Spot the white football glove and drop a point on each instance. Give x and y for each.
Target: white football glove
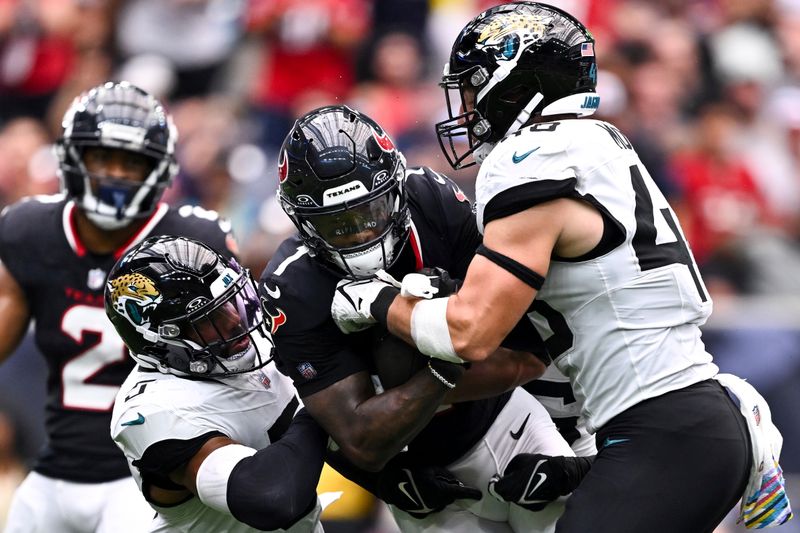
(352, 302)
(425, 284)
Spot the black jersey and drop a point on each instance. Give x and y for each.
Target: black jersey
(87, 361)
(313, 351)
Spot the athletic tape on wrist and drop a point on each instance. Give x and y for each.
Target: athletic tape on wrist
(430, 331)
(213, 474)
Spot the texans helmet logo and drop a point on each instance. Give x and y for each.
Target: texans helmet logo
(383, 141)
(283, 167)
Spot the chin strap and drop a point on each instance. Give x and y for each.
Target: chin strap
(525, 114)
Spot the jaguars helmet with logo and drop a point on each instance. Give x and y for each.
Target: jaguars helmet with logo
(342, 182)
(510, 63)
(122, 116)
(184, 309)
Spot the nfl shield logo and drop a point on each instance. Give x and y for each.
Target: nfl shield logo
(96, 278)
(757, 415)
(307, 370)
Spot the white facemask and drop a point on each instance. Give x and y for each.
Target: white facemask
(366, 263)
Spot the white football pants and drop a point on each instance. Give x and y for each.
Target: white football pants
(46, 505)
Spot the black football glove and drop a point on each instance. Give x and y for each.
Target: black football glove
(533, 480)
(420, 491)
(440, 278)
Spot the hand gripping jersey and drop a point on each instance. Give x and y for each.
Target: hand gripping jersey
(622, 322)
(298, 290)
(160, 421)
(87, 361)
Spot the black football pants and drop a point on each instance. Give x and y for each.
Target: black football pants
(672, 464)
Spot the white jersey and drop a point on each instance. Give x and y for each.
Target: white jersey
(621, 323)
(152, 407)
(554, 392)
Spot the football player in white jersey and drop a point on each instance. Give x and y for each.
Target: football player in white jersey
(207, 425)
(578, 237)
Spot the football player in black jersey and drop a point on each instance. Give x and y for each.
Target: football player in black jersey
(116, 158)
(358, 210)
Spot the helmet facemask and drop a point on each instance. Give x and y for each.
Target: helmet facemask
(116, 116)
(466, 125)
(361, 236)
(112, 203)
(225, 336)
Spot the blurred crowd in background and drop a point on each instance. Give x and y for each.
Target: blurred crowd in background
(708, 91)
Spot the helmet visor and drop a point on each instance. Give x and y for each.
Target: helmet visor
(356, 225)
(228, 329)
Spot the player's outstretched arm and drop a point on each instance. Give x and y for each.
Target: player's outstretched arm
(14, 313)
(500, 284)
(267, 489)
(370, 429)
(502, 371)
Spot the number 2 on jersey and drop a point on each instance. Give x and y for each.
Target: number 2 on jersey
(651, 254)
(78, 393)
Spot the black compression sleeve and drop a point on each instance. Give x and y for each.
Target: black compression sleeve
(276, 487)
(380, 307)
(516, 268)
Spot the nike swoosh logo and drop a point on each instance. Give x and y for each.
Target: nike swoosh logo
(273, 293)
(516, 435)
(530, 491)
(134, 422)
(518, 158)
(402, 487)
(610, 442)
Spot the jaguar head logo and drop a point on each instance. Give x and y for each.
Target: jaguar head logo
(134, 296)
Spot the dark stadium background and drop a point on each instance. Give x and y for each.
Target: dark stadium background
(707, 91)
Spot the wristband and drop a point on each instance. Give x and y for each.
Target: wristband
(380, 307)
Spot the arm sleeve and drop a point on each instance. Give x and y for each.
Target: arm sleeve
(276, 487)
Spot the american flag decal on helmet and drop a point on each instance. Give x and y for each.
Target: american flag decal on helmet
(587, 50)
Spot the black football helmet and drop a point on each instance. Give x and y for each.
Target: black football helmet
(184, 309)
(123, 116)
(510, 63)
(342, 182)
